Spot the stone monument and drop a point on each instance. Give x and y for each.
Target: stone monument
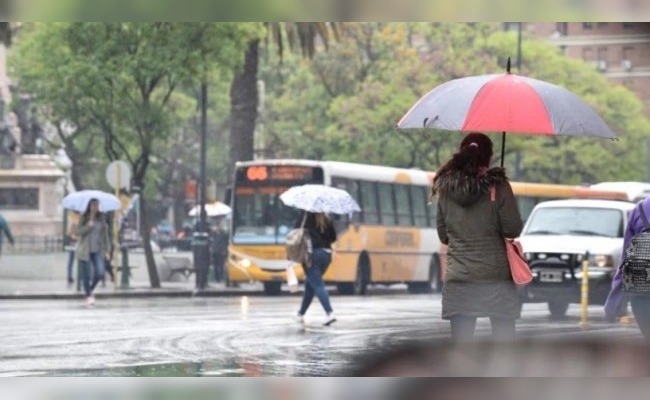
(31, 185)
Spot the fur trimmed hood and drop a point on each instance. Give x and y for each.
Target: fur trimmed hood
(467, 189)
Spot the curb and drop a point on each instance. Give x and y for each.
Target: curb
(136, 294)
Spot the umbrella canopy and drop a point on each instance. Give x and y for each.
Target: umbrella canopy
(320, 198)
(211, 209)
(505, 103)
(78, 201)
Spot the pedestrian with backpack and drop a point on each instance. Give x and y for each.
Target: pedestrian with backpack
(631, 278)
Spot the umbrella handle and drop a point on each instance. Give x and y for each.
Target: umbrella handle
(503, 148)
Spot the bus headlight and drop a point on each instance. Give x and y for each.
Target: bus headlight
(243, 262)
(601, 260)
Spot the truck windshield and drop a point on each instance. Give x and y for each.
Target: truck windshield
(576, 221)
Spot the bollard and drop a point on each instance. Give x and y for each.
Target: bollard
(125, 267)
(78, 274)
(584, 293)
(201, 255)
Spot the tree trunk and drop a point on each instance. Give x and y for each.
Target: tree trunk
(243, 109)
(145, 232)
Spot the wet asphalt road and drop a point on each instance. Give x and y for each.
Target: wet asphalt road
(237, 336)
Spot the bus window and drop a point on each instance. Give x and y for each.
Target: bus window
(369, 206)
(352, 187)
(419, 205)
(386, 205)
(403, 206)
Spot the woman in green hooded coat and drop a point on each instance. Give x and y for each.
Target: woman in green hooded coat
(478, 282)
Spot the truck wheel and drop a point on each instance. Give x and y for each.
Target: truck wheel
(558, 308)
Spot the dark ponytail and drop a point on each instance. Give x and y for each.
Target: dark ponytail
(472, 157)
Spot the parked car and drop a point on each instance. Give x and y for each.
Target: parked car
(558, 236)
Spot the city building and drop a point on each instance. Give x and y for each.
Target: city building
(619, 50)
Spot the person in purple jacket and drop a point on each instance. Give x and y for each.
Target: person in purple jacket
(616, 299)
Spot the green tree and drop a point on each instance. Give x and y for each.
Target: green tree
(344, 105)
(244, 93)
(119, 79)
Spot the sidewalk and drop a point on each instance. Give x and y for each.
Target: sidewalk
(43, 276)
(59, 289)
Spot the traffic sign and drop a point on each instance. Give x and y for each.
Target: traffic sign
(118, 174)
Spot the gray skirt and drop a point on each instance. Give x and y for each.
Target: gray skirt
(480, 299)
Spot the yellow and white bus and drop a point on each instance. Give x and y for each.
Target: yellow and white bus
(392, 240)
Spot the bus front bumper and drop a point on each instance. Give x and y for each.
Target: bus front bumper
(243, 270)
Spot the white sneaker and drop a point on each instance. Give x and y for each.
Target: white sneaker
(299, 319)
(330, 319)
(90, 300)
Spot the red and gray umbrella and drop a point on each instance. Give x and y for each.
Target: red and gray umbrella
(505, 103)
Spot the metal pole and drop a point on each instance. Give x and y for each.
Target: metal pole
(118, 184)
(200, 240)
(519, 28)
(584, 291)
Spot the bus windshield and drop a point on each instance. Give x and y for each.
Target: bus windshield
(259, 216)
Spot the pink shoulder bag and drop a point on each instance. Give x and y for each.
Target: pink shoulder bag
(519, 268)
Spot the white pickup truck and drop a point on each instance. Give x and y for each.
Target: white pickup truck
(557, 237)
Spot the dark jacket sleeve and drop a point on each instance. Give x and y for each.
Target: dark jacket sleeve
(511, 223)
(440, 223)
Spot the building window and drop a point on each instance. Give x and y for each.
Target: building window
(562, 28)
(628, 24)
(602, 24)
(602, 54)
(18, 198)
(511, 26)
(587, 25)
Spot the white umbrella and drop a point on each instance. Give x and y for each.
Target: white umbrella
(320, 198)
(211, 209)
(78, 201)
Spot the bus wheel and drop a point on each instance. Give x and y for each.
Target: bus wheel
(434, 284)
(363, 275)
(272, 288)
(435, 279)
(345, 288)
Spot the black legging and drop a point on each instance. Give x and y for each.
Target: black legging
(463, 327)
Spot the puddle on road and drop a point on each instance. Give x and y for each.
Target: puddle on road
(181, 369)
(220, 368)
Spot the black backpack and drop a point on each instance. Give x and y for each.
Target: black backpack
(636, 267)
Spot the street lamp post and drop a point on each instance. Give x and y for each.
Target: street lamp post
(200, 238)
(63, 161)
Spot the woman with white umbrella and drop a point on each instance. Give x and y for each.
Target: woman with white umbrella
(322, 235)
(92, 246)
(316, 200)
